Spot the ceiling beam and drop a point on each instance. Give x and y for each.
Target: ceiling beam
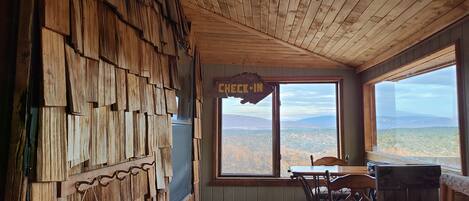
(250, 30)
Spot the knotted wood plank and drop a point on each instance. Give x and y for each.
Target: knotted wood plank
(44, 191)
(173, 10)
(196, 150)
(152, 136)
(133, 93)
(139, 134)
(146, 22)
(92, 80)
(160, 183)
(110, 192)
(139, 185)
(198, 77)
(121, 90)
(55, 15)
(53, 68)
(133, 13)
(106, 84)
(156, 70)
(171, 105)
(122, 8)
(169, 46)
(113, 138)
(197, 128)
(78, 132)
(76, 72)
(152, 183)
(165, 71)
(120, 135)
(51, 164)
(167, 161)
(126, 189)
(143, 96)
(169, 122)
(129, 135)
(98, 147)
(76, 25)
(123, 55)
(107, 33)
(90, 29)
(146, 97)
(146, 59)
(160, 101)
(174, 73)
(162, 128)
(198, 109)
(195, 171)
(150, 99)
(155, 18)
(85, 136)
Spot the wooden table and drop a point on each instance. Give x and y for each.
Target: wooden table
(333, 170)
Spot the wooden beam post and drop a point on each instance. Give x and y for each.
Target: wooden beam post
(16, 179)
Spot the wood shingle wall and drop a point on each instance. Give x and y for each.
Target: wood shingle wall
(108, 90)
(197, 126)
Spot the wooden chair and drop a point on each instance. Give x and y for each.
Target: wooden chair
(329, 161)
(358, 186)
(312, 186)
(316, 187)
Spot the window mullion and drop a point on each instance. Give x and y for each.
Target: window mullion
(276, 131)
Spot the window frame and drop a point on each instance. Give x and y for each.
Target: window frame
(275, 179)
(369, 104)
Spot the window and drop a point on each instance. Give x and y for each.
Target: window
(246, 138)
(264, 139)
(417, 118)
(308, 123)
(411, 114)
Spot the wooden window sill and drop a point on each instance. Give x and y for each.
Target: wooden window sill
(253, 181)
(389, 158)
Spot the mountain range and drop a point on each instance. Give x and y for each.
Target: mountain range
(383, 122)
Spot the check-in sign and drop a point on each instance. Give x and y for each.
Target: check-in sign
(247, 86)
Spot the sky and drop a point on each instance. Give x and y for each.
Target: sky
(431, 93)
(298, 101)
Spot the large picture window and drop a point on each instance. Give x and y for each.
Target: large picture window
(417, 118)
(412, 114)
(295, 121)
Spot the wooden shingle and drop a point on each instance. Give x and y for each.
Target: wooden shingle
(52, 145)
(90, 29)
(53, 68)
(55, 15)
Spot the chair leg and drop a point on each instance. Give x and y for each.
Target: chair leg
(363, 196)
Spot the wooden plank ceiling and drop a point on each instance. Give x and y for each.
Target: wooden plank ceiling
(325, 33)
(222, 41)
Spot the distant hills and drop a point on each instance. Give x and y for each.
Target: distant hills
(249, 122)
(383, 122)
(245, 122)
(387, 122)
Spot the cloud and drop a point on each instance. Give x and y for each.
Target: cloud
(433, 94)
(444, 77)
(297, 101)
